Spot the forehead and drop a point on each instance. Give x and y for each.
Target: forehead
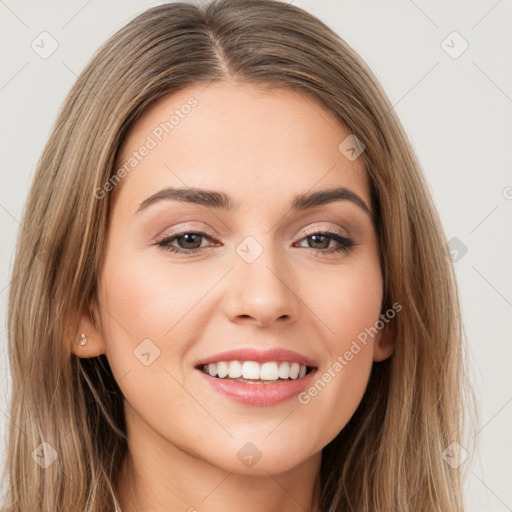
(255, 144)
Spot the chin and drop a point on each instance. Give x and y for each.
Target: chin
(260, 456)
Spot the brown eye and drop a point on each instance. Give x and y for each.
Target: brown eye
(319, 241)
(188, 242)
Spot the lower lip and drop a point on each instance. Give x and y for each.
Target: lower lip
(258, 394)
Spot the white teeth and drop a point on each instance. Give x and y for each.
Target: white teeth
(212, 369)
(284, 371)
(222, 369)
(294, 370)
(252, 370)
(234, 369)
(269, 371)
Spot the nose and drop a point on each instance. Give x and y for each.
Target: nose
(262, 291)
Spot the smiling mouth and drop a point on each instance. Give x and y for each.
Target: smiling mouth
(253, 372)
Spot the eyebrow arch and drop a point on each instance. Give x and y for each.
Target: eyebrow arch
(220, 200)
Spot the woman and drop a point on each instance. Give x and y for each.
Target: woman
(230, 287)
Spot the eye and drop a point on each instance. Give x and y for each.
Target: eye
(189, 243)
(322, 239)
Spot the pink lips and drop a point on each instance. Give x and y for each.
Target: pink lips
(259, 394)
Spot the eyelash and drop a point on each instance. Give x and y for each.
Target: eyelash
(345, 247)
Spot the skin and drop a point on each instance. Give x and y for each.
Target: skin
(262, 148)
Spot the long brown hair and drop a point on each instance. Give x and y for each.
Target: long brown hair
(68, 411)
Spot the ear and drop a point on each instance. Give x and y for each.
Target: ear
(89, 325)
(383, 345)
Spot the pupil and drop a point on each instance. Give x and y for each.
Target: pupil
(189, 239)
(321, 236)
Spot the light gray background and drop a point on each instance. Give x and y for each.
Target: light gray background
(455, 110)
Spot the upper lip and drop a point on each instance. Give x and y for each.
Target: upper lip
(261, 356)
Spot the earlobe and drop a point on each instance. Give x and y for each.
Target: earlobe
(88, 341)
(383, 346)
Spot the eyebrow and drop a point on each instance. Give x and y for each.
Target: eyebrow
(220, 200)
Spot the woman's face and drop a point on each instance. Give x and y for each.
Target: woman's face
(259, 281)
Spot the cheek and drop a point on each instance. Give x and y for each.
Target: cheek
(140, 310)
(142, 300)
(349, 302)
(144, 318)
(336, 392)
(349, 308)
(340, 383)
(150, 317)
